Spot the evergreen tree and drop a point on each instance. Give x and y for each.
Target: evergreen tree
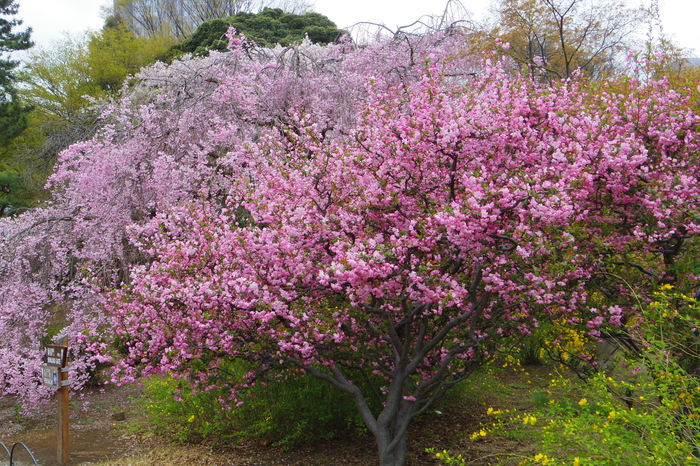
(269, 27)
(12, 112)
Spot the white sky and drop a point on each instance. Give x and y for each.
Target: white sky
(48, 18)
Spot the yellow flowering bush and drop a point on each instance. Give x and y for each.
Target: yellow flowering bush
(656, 422)
(643, 408)
(567, 346)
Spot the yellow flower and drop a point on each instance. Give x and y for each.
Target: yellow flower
(582, 402)
(577, 462)
(191, 418)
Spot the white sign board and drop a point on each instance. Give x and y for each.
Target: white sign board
(51, 376)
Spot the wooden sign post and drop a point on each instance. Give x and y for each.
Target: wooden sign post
(55, 374)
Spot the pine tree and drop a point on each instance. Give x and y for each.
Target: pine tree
(12, 113)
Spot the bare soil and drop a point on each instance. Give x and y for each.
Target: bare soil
(100, 435)
(94, 434)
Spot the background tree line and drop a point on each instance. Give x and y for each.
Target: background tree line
(181, 18)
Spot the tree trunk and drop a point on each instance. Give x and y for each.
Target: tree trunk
(391, 432)
(394, 457)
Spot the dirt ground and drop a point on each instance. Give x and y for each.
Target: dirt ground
(94, 434)
(101, 435)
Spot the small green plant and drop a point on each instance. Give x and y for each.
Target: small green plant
(445, 457)
(540, 398)
(530, 349)
(17, 417)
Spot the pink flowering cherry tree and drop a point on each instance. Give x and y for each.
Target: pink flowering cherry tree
(393, 258)
(164, 141)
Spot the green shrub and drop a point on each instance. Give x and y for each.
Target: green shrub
(294, 410)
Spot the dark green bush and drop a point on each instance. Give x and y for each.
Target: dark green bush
(269, 27)
(289, 412)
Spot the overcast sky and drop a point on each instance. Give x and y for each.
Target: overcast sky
(48, 18)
